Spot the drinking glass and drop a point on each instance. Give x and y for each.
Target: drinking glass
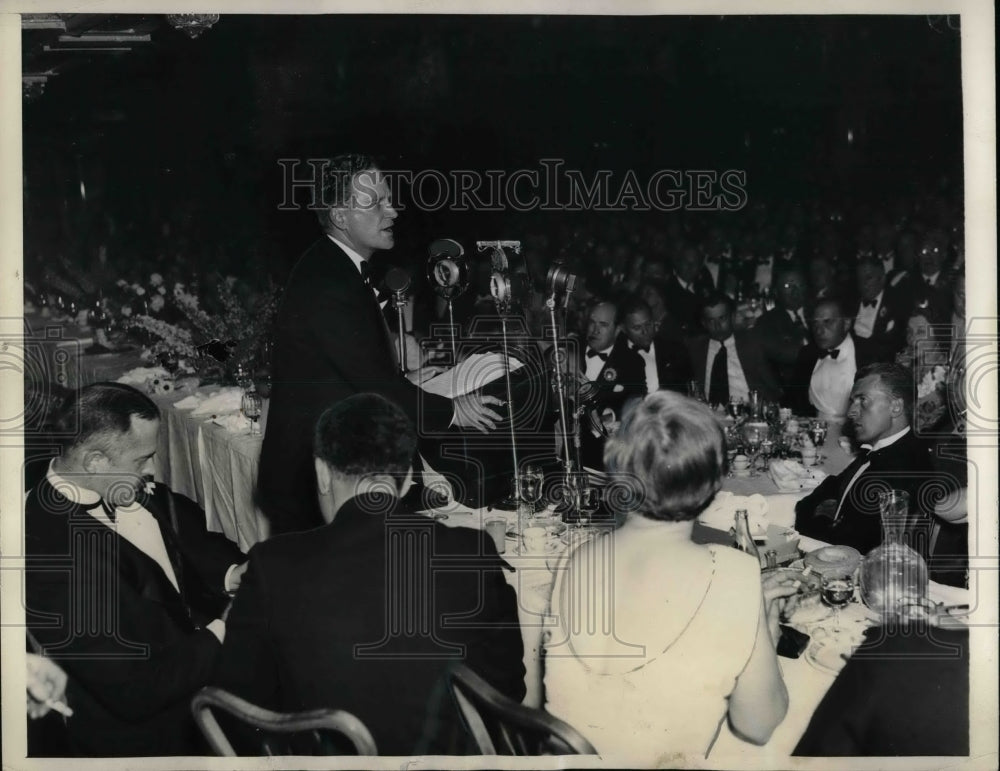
(251, 405)
(588, 501)
(817, 432)
(735, 408)
(530, 480)
(837, 591)
(753, 435)
(694, 390)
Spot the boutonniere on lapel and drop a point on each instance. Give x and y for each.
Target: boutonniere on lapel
(882, 312)
(610, 374)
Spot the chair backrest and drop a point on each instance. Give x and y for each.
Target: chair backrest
(501, 726)
(316, 732)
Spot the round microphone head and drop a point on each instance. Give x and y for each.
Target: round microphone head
(397, 280)
(445, 247)
(446, 272)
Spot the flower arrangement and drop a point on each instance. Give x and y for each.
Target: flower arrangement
(932, 402)
(215, 331)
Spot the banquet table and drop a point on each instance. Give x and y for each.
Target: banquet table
(214, 466)
(806, 684)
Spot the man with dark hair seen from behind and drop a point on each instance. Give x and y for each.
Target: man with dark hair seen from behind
(331, 341)
(126, 590)
(368, 612)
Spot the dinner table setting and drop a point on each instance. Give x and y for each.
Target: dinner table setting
(833, 605)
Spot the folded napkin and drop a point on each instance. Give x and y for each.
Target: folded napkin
(140, 375)
(219, 402)
(790, 476)
(233, 423)
(721, 512)
(189, 402)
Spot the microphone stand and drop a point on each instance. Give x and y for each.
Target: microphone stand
(560, 384)
(399, 302)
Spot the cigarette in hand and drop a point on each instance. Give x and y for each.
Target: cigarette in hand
(59, 706)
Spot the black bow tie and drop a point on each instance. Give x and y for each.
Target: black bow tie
(869, 303)
(639, 348)
(591, 353)
(832, 354)
(366, 273)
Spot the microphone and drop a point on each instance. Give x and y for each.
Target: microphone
(397, 281)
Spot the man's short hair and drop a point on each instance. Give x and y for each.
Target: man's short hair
(672, 449)
(717, 298)
(101, 413)
(334, 184)
(896, 380)
(872, 262)
(365, 434)
(629, 305)
(835, 300)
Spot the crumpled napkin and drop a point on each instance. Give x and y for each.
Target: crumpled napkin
(222, 401)
(790, 476)
(233, 423)
(721, 512)
(139, 375)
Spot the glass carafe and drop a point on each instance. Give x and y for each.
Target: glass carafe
(894, 576)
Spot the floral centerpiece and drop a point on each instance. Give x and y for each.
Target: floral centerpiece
(932, 401)
(211, 330)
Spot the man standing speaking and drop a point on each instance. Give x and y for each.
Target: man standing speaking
(331, 342)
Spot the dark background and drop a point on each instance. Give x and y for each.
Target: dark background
(177, 142)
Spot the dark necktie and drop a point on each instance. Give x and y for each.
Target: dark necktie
(833, 354)
(366, 274)
(718, 383)
(591, 353)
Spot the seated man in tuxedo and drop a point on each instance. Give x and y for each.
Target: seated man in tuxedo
(368, 612)
(729, 364)
(618, 374)
(935, 285)
(686, 290)
(782, 331)
(666, 362)
(844, 509)
(825, 369)
(126, 590)
(880, 316)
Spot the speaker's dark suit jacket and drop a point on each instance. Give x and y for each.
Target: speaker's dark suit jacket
(330, 342)
(135, 648)
(780, 339)
(757, 371)
(906, 464)
(367, 614)
(797, 388)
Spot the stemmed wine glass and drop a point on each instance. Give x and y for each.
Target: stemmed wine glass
(837, 591)
(753, 435)
(736, 408)
(817, 432)
(530, 481)
(588, 501)
(251, 405)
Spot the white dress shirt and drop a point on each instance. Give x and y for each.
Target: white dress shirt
(685, 285)
(713, 269)
(764, 274)
(649, 360)
(832, 380)
(595, 364)
(798, 318)
(864, 322)
(357, 259)
(931, 279)
(738, 388)
(136, 525)
(885, 442)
